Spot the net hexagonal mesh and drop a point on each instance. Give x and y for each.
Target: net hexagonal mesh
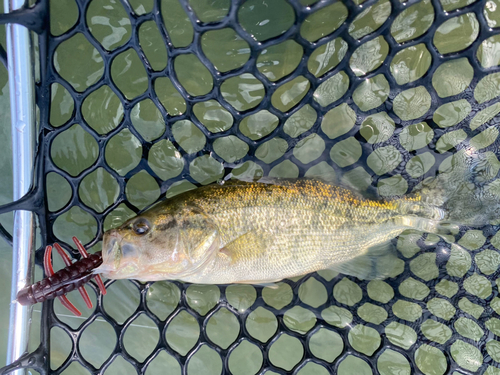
(145, 99)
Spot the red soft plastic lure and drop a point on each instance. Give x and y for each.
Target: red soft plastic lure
(58, 284)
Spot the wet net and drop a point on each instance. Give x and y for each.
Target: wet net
(142, 100)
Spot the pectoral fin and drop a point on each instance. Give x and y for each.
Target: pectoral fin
(250, 246)
(379, 262)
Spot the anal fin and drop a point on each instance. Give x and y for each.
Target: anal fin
(379, 262)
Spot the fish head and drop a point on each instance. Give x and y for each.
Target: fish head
(160, 244)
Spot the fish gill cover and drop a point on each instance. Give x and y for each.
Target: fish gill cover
(140, 100)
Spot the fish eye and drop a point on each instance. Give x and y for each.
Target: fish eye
(141, 227)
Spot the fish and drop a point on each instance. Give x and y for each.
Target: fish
(263, 232)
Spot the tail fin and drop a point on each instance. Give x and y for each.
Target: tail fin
(465, 192)
(466, 188)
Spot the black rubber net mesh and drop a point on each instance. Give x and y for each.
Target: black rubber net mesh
(141, 100)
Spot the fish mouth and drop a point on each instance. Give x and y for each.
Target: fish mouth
(114, 264)
(105, 269)
(110, 247)
(110, 253)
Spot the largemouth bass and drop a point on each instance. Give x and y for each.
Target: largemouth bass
(250, 232)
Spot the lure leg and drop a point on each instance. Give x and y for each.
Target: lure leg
(84, 254)
(67, 262)
(49, 270)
